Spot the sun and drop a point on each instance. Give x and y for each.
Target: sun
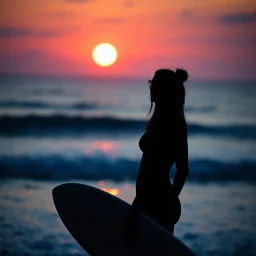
(104, 54)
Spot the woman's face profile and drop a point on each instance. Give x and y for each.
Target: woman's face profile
(152, 85)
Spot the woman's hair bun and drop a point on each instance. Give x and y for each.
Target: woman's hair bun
(182, 75)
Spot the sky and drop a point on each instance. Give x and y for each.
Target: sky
(213, 39)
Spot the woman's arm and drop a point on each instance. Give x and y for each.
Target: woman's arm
(181, 161)
(130, 223)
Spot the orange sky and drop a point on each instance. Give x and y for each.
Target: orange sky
(211, 39)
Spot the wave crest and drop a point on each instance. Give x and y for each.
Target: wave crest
(60, 125)
(56, 167)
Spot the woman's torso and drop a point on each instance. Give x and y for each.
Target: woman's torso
(154, 189)
(157, 145)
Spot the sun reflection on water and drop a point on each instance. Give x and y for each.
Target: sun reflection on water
(112, 191)
(105, 146)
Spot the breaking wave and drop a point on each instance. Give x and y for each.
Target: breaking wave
(98, 167)
(61, 125)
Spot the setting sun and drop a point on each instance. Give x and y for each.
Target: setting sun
(104, 54)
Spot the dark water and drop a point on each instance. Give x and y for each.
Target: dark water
(216, 219)
(81, 125)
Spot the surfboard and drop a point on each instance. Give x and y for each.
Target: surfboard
(94, 218)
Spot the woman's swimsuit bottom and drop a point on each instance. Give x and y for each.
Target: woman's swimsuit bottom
(160, 204)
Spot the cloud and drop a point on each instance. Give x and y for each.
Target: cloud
(238, 18)
(78, 1)
(227, 18)
(12, 31)
(18, 32)
(109, 20)
(235, 39)
(129, 4)
(39, 62)
(62, 14)
(188, 15)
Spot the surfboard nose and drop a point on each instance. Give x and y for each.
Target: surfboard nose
(66, 193)
(58, 192)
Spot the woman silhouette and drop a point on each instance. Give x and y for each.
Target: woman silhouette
(163, 144)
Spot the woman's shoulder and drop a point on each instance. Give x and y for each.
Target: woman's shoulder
(167, 129)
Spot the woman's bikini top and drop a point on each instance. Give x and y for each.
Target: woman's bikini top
(157, 138)
(143, 142)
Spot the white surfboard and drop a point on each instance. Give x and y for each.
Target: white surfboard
(94, 218)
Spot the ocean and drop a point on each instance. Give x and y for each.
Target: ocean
(55, 130)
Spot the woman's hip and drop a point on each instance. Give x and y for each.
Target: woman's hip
(159, 202)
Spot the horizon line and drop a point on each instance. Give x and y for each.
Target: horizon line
(117, 77)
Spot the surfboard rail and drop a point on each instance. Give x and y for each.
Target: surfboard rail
(94, 218)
